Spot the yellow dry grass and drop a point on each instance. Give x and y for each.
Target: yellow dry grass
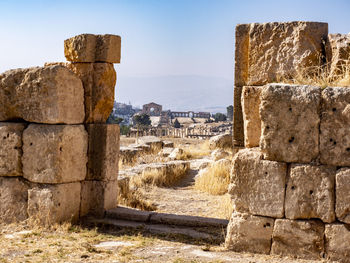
(215, 179)
(164, 176)
(196, 151)
(323, 76)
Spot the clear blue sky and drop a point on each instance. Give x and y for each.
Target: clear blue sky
(159, 37)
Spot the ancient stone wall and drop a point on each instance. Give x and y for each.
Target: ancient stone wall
(290, 185)
(58, 158)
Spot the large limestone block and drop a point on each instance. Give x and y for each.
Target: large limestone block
(340, 53)
(50, 204)
(99, 80)
(51, 94)
(258, 186)
(238, 125)
(14, 198)
(334, 139)
(251, 116)
(290, 122)
(337, 242)
(54, 153)
(220, 141)
(247, 233)
(103, 152)
(280, 51)
(97, 197)
(342, 190)
(11, 148)
(93, 48)
(310, 192)
(298, 238)
(241, 54)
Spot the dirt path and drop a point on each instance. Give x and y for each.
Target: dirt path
(185, 200)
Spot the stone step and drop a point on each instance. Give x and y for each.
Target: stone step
(131, 214)
(160, 229)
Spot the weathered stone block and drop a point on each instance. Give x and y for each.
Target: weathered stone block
(241, 54)
(99, 80)
(290, 122)
(251, 116)
(310, 192)
(54, 153)
(222, 141)
(103, 153)
(247, 233)
(342, 190)
(298, 238)
(93, 48)
(50, 204)
(238, 126)
(334, 128)
(14, 198)
(337, 242)
(11, 149)
(280, 51)
(98, 196)
(258, 186)
(50, 94)
(340, 53)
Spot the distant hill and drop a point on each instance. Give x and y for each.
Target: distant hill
(178, 93)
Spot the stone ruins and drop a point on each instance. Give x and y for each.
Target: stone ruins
(290, 180)
(58, 158)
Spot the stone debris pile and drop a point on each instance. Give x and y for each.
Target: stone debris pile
(290, 185)
(58, 157)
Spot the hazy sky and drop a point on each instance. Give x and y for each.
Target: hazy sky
(159, 37)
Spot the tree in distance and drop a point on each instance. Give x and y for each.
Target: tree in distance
(177, 124)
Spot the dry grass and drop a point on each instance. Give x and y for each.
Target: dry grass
(136, 199)
(161, 176)
(323, 76)
(64, 243)
(196, 151)
(214, 179)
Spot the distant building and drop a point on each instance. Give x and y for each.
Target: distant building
(229, 113)
(124, 111)
(152, 109)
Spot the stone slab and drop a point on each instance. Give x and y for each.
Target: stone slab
(99, 80)
(290, 121)
(97, 197)
(247, 233)
(337, 242)
(54, 153)
(14, 198)
(241, 54)
(334, 128)
(127, 213)
(51, 95)
(11, 148)
(340, 53)
(238, 125)
(310, 192)
(279, 51)
(298, 238)
(49, 204)
(103, 152)
(257, 186)
(342, 190)
(93, 48)
(251, 117)
(186, 220)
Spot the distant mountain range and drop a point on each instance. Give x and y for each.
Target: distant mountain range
(178, 93)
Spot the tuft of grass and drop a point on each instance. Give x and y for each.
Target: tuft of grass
(324, 76)
(196, 151)
(214, 179)
(135, 199)
(167, 175)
